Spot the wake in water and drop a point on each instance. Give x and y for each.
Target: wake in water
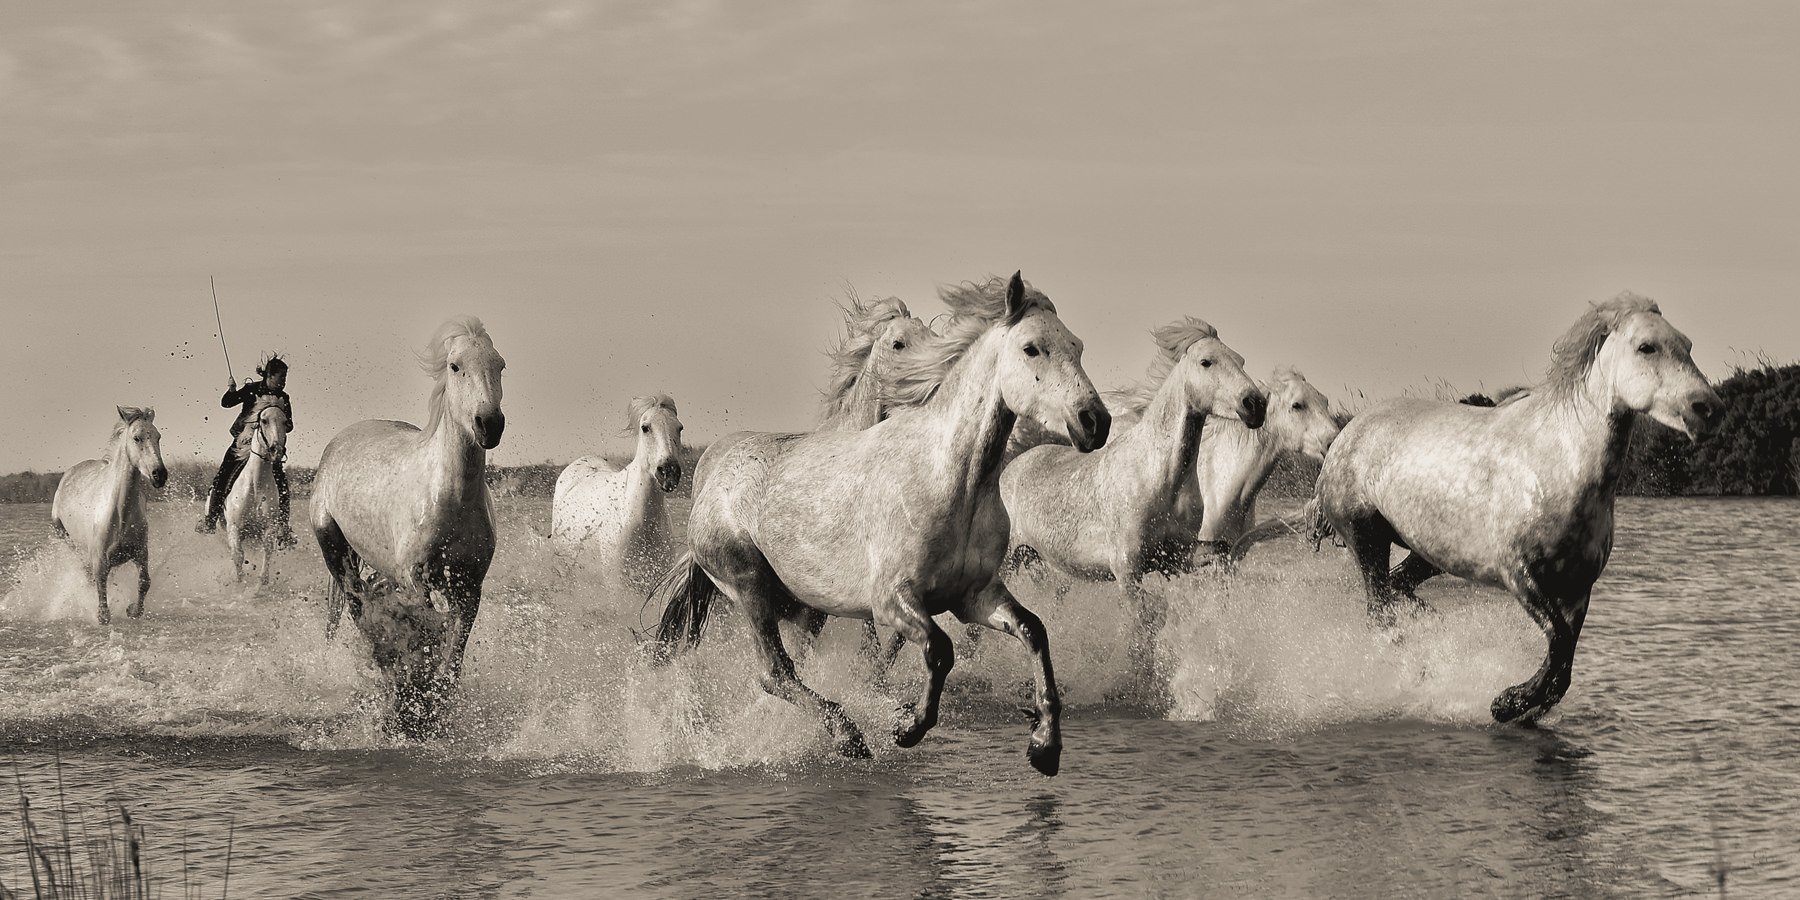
(554, 672)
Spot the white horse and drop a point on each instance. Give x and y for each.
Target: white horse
(1112, 515)
(1518, 496)
(1234, 463)
(616, 516)
(413, 507)
(252, 507)
(99, 504)
(900, 521)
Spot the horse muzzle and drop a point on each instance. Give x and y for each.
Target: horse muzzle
(1093, 426)
(489, 428)
(668, 475)
(159, 477)
(1253, 410)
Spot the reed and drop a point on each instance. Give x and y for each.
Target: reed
(65, 855)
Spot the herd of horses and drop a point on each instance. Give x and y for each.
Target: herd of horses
(949, 459)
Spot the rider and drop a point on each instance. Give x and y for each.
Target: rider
(273, 384)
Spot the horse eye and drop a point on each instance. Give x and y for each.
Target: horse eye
(455, 368)
(899, 345)
(1646, 348)
(1299, 406)
(645, 428)
(1031, 350)
(1206, 364)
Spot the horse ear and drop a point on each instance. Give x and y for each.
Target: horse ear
(150, 414)
(1015, 298)
(123, 415)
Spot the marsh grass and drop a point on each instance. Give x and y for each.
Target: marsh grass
(67, 854)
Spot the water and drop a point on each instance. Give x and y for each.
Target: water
(1305, 754)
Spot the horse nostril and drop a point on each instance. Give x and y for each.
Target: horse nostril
(1705, 410)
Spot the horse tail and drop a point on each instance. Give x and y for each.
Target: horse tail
(58, 529)
(687, 594)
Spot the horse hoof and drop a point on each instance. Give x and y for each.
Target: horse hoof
(908, 730)
(1515, 705)
(105, 617)
(1046, 758)
(136, 612)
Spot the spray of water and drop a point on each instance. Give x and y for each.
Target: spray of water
(554, 674)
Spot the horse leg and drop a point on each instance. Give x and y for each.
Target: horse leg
(340, 568)
(811, 623)
(761, 607)
(1560, 620)
(909, 619)
(465, 604)
(1405, 578)
(268, 548)
(99, 574)
(1151, 612)
(1370, 541)
(142, 558)
(234, 541)
(996, 608)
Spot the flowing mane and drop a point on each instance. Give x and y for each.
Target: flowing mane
(128, 415)
(1574, 353)
(639, 405)
(1172, 340)
(861, 323)
(435, 360)
(921, 369)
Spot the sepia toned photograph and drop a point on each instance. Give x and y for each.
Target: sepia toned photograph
(847, 449)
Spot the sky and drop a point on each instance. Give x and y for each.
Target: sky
(672, 196)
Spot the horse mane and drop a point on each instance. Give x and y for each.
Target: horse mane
(1172, 340)
(1574, 353)
(975, 307)
(861, 322)
(435, 360)
(128, 415)
(640, 405)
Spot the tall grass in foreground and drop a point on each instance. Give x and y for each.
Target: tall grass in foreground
(79, 860)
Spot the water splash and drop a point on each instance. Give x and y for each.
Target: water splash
(554, 675)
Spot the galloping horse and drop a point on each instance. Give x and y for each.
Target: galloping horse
(413, 506)
(251, 509)
(1234, 462)
(99, 505)
(1518, 496)
(1112, 515)
(616, 516)
(900, 521)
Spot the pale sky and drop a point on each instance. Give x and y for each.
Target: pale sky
(670, 196)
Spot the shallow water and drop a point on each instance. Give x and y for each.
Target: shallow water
(1306, 753)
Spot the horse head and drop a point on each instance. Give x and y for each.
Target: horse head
(142, 443)
(1212, 376)
(270, 438)
(1299, 415)
(1040, 375)
(462, 358)
(659, 437)
(1630, 356)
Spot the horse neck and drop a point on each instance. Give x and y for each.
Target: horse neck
(125, 485)
(458, 465)
(973, 421)
(859, 410)
(1240, 459)
(1162, 447)
(1602, 433)
(641, 492)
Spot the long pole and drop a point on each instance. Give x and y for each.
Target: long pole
(221, 323)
